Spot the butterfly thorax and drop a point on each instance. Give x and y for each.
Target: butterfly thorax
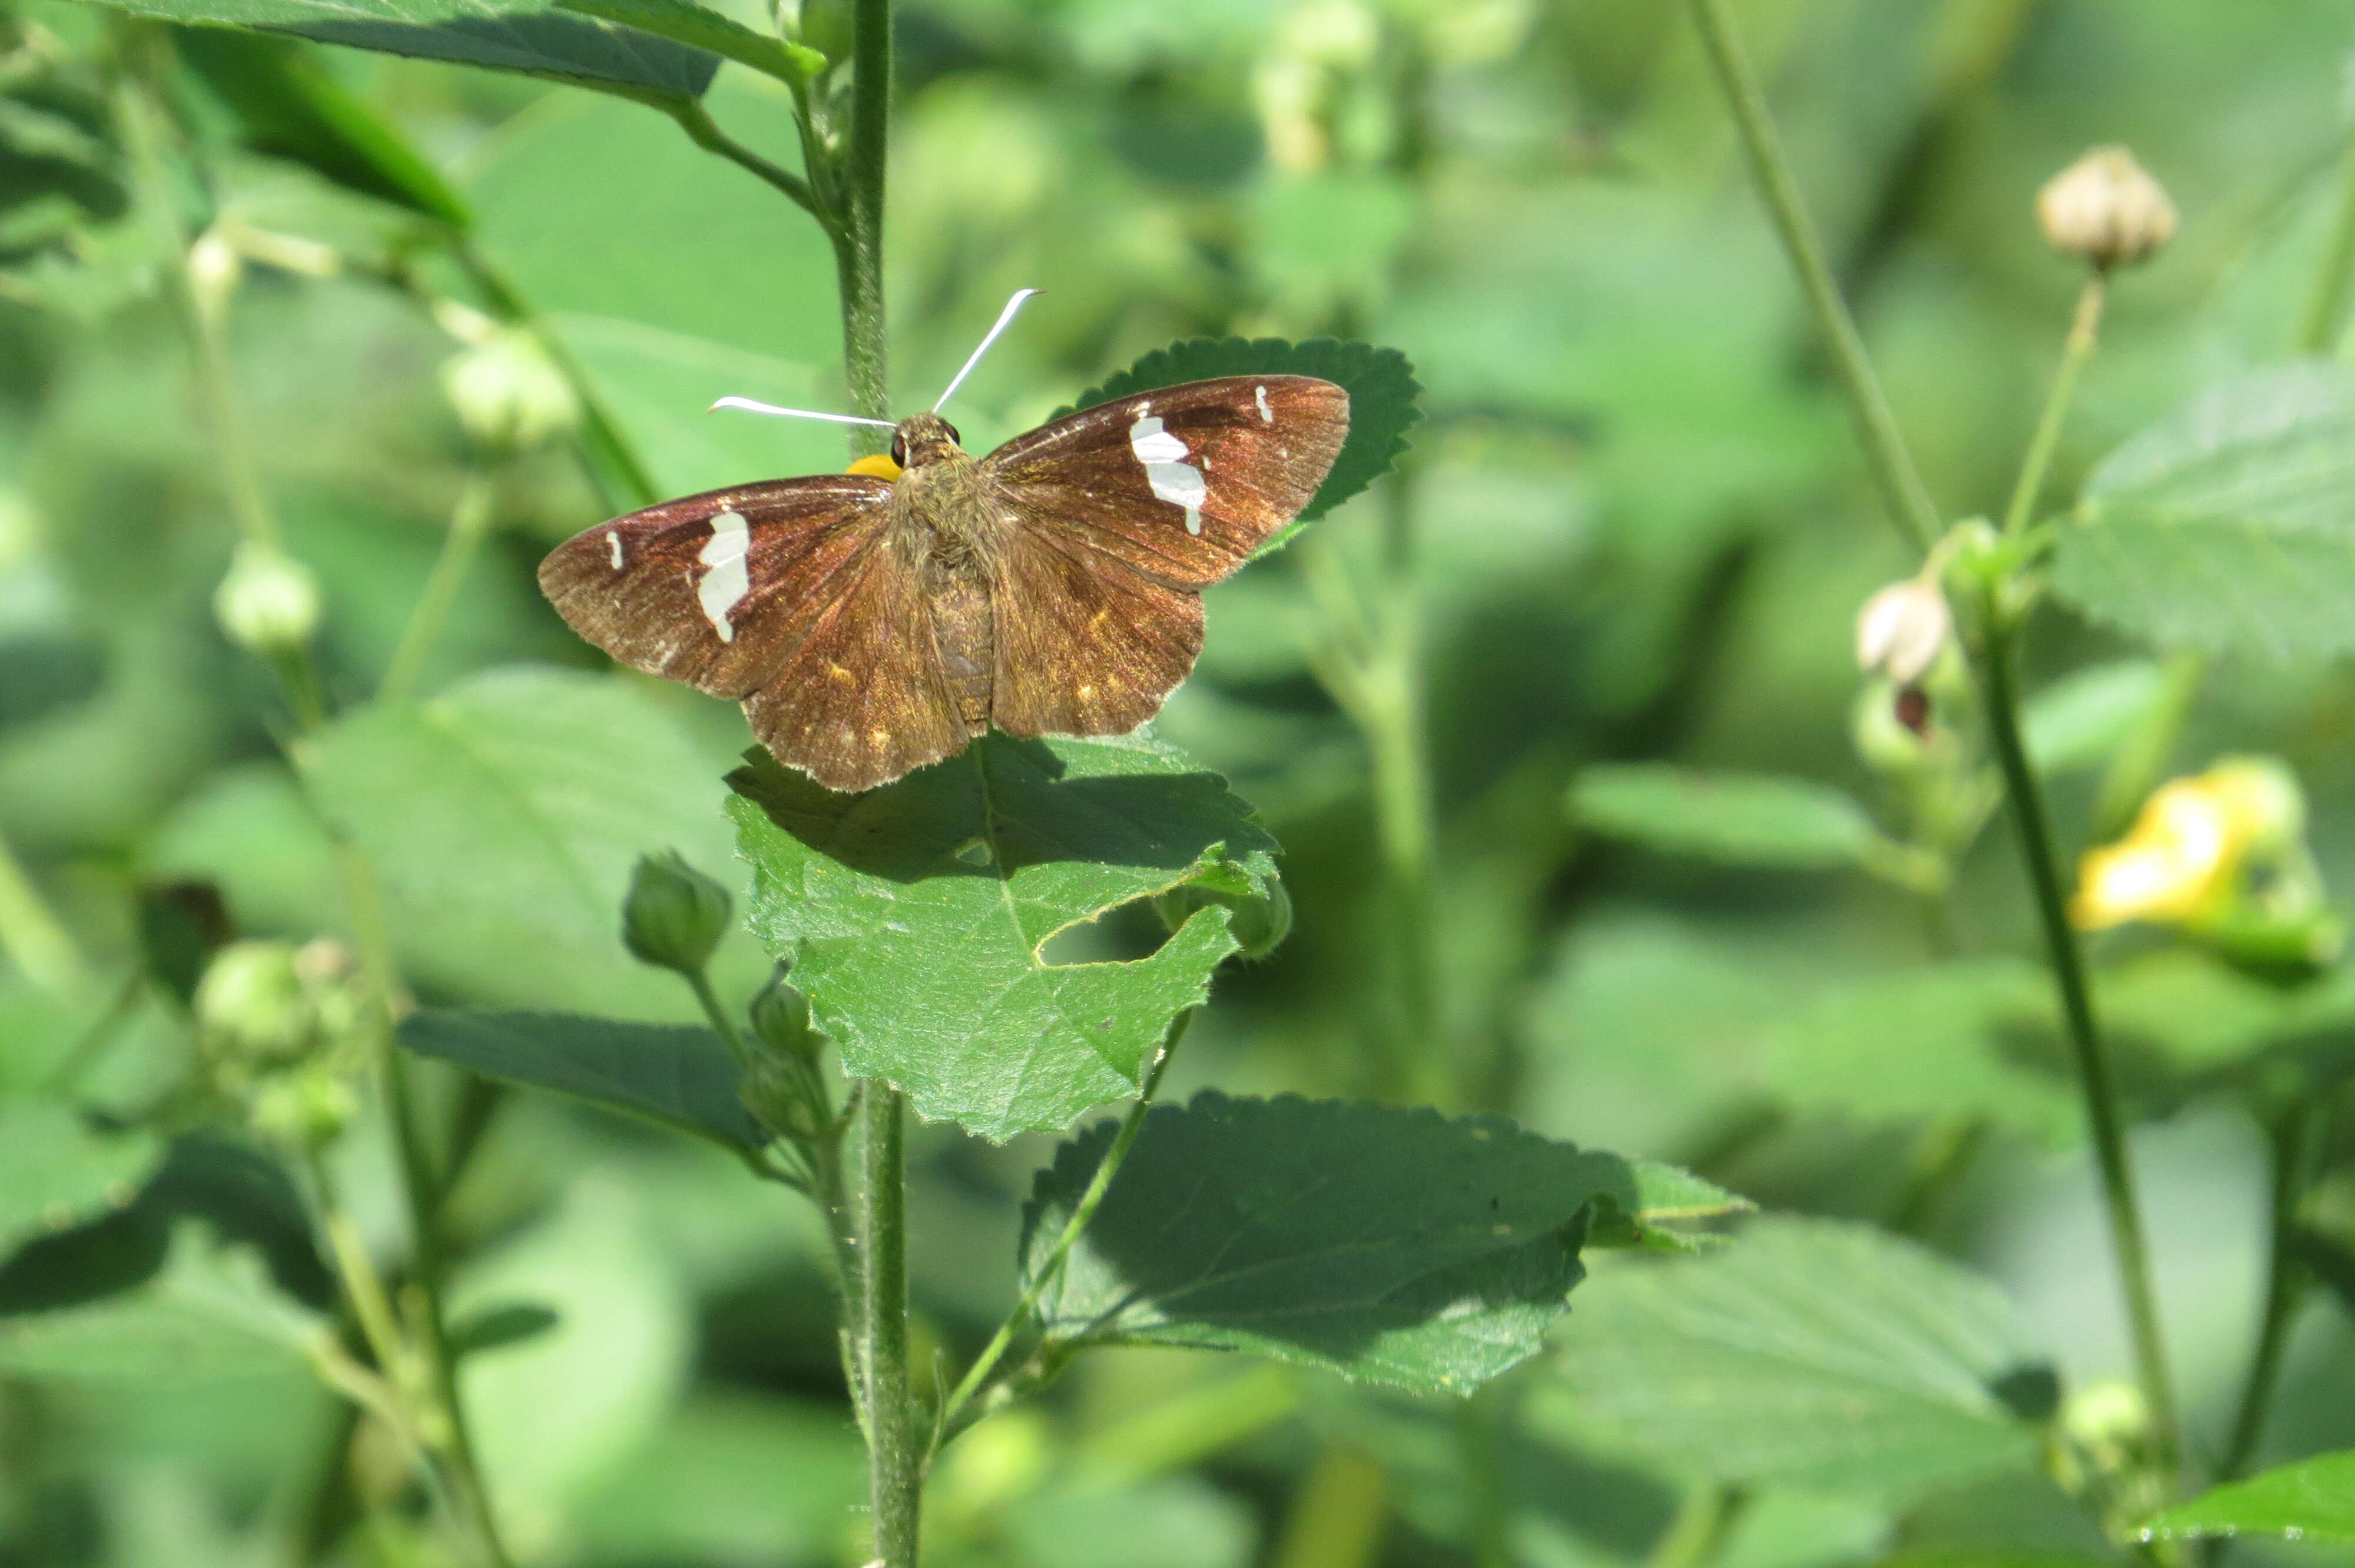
(946, 514)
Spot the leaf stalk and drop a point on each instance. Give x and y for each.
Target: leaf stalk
(977, 1376)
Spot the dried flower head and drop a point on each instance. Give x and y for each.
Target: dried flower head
(2106, 209)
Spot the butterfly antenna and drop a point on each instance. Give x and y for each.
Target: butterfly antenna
(750, 406)
(1005, 319)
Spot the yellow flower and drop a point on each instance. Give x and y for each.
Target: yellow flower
(2183, 859)
(878, 465)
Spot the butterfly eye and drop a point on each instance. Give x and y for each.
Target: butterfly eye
(899, 448)
(952, 432)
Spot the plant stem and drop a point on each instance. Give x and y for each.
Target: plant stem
(858, 227)
(2318, 330)
(31, 935)
(1406, 819)
(2084, 332)
(2292, 1140)
(2093, 1075)
(468, 521)
(1704, 1521)
(895, 1452)
(696, 121)
(977, 1375)
(1900, 485)
(1910, 503)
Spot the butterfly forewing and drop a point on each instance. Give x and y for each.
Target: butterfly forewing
(1181, 483)
(718, 590)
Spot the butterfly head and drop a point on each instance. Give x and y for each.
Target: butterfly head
(921, 439)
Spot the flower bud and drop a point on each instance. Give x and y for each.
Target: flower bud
(508, 392)
(781, 1021)
(1901, 629)
(308, 1108)
(1260, 924)
(215, 270)
(674, 916)
(826, 26)
(268, 602)
(252, 1007)
(2106, 209)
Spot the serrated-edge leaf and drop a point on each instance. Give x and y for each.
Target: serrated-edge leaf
(677, 1074)
(1383, 399)
(2312, 1499)
(851, 887)
(1884, 1363)
(1463, 1294)
(2227, 524)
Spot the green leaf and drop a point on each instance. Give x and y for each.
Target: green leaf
(2229, 525)
(758, 276)
(698, 27)
(2313, 1499)
(56, 1171)
(527, 36)
(503, 819)
(1389, 1245)
(211, 1313)
(1923, 1043)
(2082, 717)
(287, 106)
(917, 916)
(1381, 383)
(490, 1328)
(1665, 1194)
(1743, 819)
(705, 1486)
(1809, 1354)
(680, 1076)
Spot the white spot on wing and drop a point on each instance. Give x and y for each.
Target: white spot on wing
(1166, 470)
(727, 578)
(614, 539)
(1266, 414)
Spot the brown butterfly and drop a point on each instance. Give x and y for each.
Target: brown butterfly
(871, 625)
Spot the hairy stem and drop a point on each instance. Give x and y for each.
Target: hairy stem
(2094, 1078)
(1894, 472)
(469, 519)
(895, 1448)
(858, 229)
(2084, 332)
(976, 1377)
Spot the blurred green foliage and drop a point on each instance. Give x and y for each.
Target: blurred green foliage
(1673, 901)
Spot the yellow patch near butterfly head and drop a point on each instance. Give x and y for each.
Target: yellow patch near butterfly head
(880, 466)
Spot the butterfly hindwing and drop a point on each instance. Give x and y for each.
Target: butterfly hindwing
(1085, 646)
(717, 590)
(864, 698)
(1181, 483)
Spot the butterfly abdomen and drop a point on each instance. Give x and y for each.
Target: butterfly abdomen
(947, 511)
